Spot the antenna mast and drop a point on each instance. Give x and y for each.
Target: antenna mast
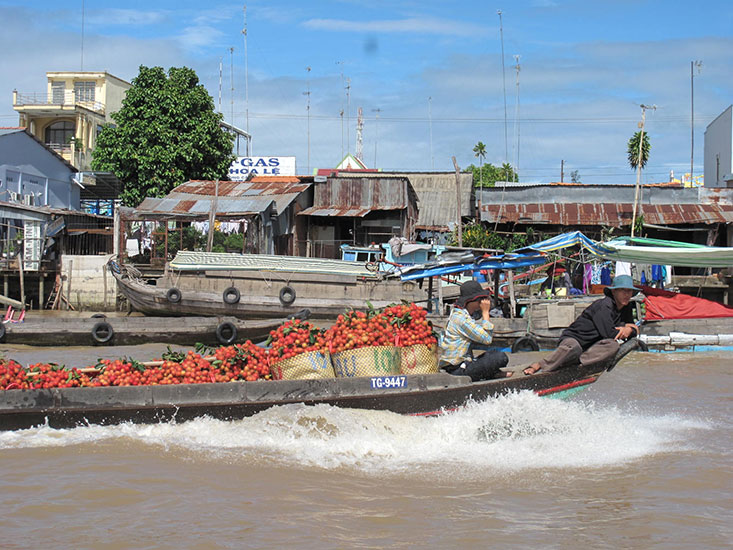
(359, 141)
(307, 93)
(376, 133)
(246, 78)
(516, 123)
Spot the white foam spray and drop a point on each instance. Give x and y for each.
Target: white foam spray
(520, 431)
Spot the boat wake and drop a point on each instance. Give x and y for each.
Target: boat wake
(520, 431)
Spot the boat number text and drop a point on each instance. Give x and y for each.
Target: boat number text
(382, 382)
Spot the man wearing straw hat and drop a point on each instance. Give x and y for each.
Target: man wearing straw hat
(463, 331)
(595, 335)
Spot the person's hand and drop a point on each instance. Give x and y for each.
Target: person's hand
(485, 305)
(624, 333)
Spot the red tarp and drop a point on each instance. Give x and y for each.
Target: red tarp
(663, 304)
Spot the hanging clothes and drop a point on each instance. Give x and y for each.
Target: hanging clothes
(587, 278)
(605, 276)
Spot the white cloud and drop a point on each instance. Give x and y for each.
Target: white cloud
(419, 25)
(119, 16)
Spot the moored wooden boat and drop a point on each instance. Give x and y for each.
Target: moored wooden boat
(102, 331)
(258, 286)
(414, 394)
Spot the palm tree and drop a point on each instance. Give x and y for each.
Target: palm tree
(480, 152)
(633, 150)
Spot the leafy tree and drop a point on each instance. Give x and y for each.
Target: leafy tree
(476, 235)
(166, 133)
(488, 174)
(633, 150)
(480, 152)
(574, 176)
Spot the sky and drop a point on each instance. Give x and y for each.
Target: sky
(428, 75)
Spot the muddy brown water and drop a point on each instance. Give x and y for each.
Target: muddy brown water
(641, 459)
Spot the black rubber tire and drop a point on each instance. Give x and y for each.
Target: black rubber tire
(173, 295)
(3, 332)
(102, 333)
(287, 295)
(99, 316)
(226, 333)
(231, 296)
(526, 343)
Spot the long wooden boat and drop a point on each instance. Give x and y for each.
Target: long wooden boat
(116, 331)
(259, 286)
(414, 395)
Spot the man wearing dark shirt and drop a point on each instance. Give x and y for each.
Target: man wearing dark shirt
(595, 335)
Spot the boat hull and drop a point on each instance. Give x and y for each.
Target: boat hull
(421, 395)
(260, 295)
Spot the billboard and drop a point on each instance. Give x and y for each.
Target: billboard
(242, 167)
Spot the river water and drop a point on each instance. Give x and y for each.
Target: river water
(641, 459)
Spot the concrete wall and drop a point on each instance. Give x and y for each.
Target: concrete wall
(719, 150)
(90, 282)
(19, 149)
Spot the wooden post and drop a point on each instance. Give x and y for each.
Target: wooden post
(430, 295)
(440, 296)
(458, 201)
(68, 284)
(104, 280)
(512, 300)
(22, 278)
(41, 281)
(212, 217)
(5, 284)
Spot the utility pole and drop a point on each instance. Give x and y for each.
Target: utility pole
(562, 170)
(231, 76)
(348, 114)
(503, 78)
(246, 79)
(458, 201)
(638, 164)
(693, 64)
(430, 121)
(376, 133)
(516, 168)
(341, 112)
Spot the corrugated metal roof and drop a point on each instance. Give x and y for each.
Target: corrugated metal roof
(337, 212)
(235, 198)
(613, 214)
(198, 208)
(436, 193)
(356, 197)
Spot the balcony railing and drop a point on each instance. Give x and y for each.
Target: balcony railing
(67, 98)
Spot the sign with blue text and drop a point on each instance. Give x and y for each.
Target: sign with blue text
(242, 167)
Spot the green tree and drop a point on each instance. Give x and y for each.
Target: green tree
(488, 174)
(476, 235)
(633, 150)
(166, 133)
(574, 176)
(480, 152)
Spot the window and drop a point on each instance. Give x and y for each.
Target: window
(57, 92)
(84, 91)
(60, 133)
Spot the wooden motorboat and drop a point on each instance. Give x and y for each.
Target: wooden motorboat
(259, 286)
(427, 394)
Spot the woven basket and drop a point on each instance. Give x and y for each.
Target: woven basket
(367, 361)
(311, 365)
(419, 359)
